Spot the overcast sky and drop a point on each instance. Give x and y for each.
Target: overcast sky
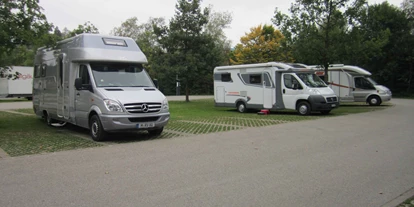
(107, 14)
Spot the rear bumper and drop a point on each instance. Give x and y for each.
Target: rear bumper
(114, 123)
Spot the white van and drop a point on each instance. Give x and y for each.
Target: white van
(272, 86)
(98, 82)
(19, 84)
(354, 84)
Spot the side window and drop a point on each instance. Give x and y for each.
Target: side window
(37, 71)
(255, 79)
(291, 82)
(361, 82)
(84, 75)
(61, 71)
(223, 77)
(43, 70)
(226, 77)
(267, 80)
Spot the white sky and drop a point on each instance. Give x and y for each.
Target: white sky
(107, 14)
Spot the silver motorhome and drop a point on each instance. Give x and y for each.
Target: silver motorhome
(274, 86)
(354, 84)
(98, 82)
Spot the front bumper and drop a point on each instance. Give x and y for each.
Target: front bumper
(113, 123)
(385, 97)
(324, 106)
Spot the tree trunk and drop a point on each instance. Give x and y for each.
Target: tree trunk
(187, 93)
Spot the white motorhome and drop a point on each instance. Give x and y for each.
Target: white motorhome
(98, 82)
(354, 84)
(19, 84)
(272, 86)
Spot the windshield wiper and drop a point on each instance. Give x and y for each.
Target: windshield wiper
(139, 86)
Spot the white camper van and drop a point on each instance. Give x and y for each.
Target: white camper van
(17, 85)
(98, 82)
(352, 83)
(272, 86)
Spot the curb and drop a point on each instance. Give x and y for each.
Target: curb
(3, 154)
(400, 199)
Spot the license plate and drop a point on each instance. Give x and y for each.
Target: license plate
(333, 105)
(145, 125)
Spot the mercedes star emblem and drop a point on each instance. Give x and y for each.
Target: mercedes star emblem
(144, 107)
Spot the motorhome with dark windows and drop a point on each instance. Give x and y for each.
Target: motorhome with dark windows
(354, 84)
(272, 86)
(98, 82)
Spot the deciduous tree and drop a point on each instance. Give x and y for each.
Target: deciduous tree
(262, 44)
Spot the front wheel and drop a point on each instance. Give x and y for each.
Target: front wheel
(241, 107)
(156, 132)
(374, 101)
(96, 130)
(304, 108)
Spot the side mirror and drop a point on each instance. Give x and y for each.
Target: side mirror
(155, 81)
(78, 83)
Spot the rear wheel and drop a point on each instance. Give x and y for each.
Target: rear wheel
(96, 130)
(156, 132)
(374, 101)
(304, 108)
(241, 107)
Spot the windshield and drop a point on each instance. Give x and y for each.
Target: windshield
(120, 75)
(311, 80)
(372, 81)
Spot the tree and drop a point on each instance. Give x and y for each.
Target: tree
(262, 44)
(186, 49)
(87, 27)
(217, 23)
(22, 23)
(319, 20)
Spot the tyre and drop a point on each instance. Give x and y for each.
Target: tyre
(304, 108)
(325, 112)
(96, 130)
(374, 101)
(241, 107)
(156, 132)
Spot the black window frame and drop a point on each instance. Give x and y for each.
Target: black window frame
(83, 69)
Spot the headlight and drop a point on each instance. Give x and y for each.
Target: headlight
(112, 105)
(314, 91)
(381, 92)
(165, 104)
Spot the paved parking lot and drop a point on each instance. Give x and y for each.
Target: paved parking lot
(355, 160)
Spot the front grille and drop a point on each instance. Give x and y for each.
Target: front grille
(143, 107)
(331, 99)
(144, 119)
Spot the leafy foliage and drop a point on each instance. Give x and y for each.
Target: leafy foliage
(323, 22)
(262, 44)
(22, 24)
(187, 50)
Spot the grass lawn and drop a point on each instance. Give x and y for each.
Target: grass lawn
(22, 135)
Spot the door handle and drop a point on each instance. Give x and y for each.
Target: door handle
(284, 91)
(77, 94)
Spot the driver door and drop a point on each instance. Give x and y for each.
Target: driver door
(82, 97)
(362, 88)
(291, 88)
